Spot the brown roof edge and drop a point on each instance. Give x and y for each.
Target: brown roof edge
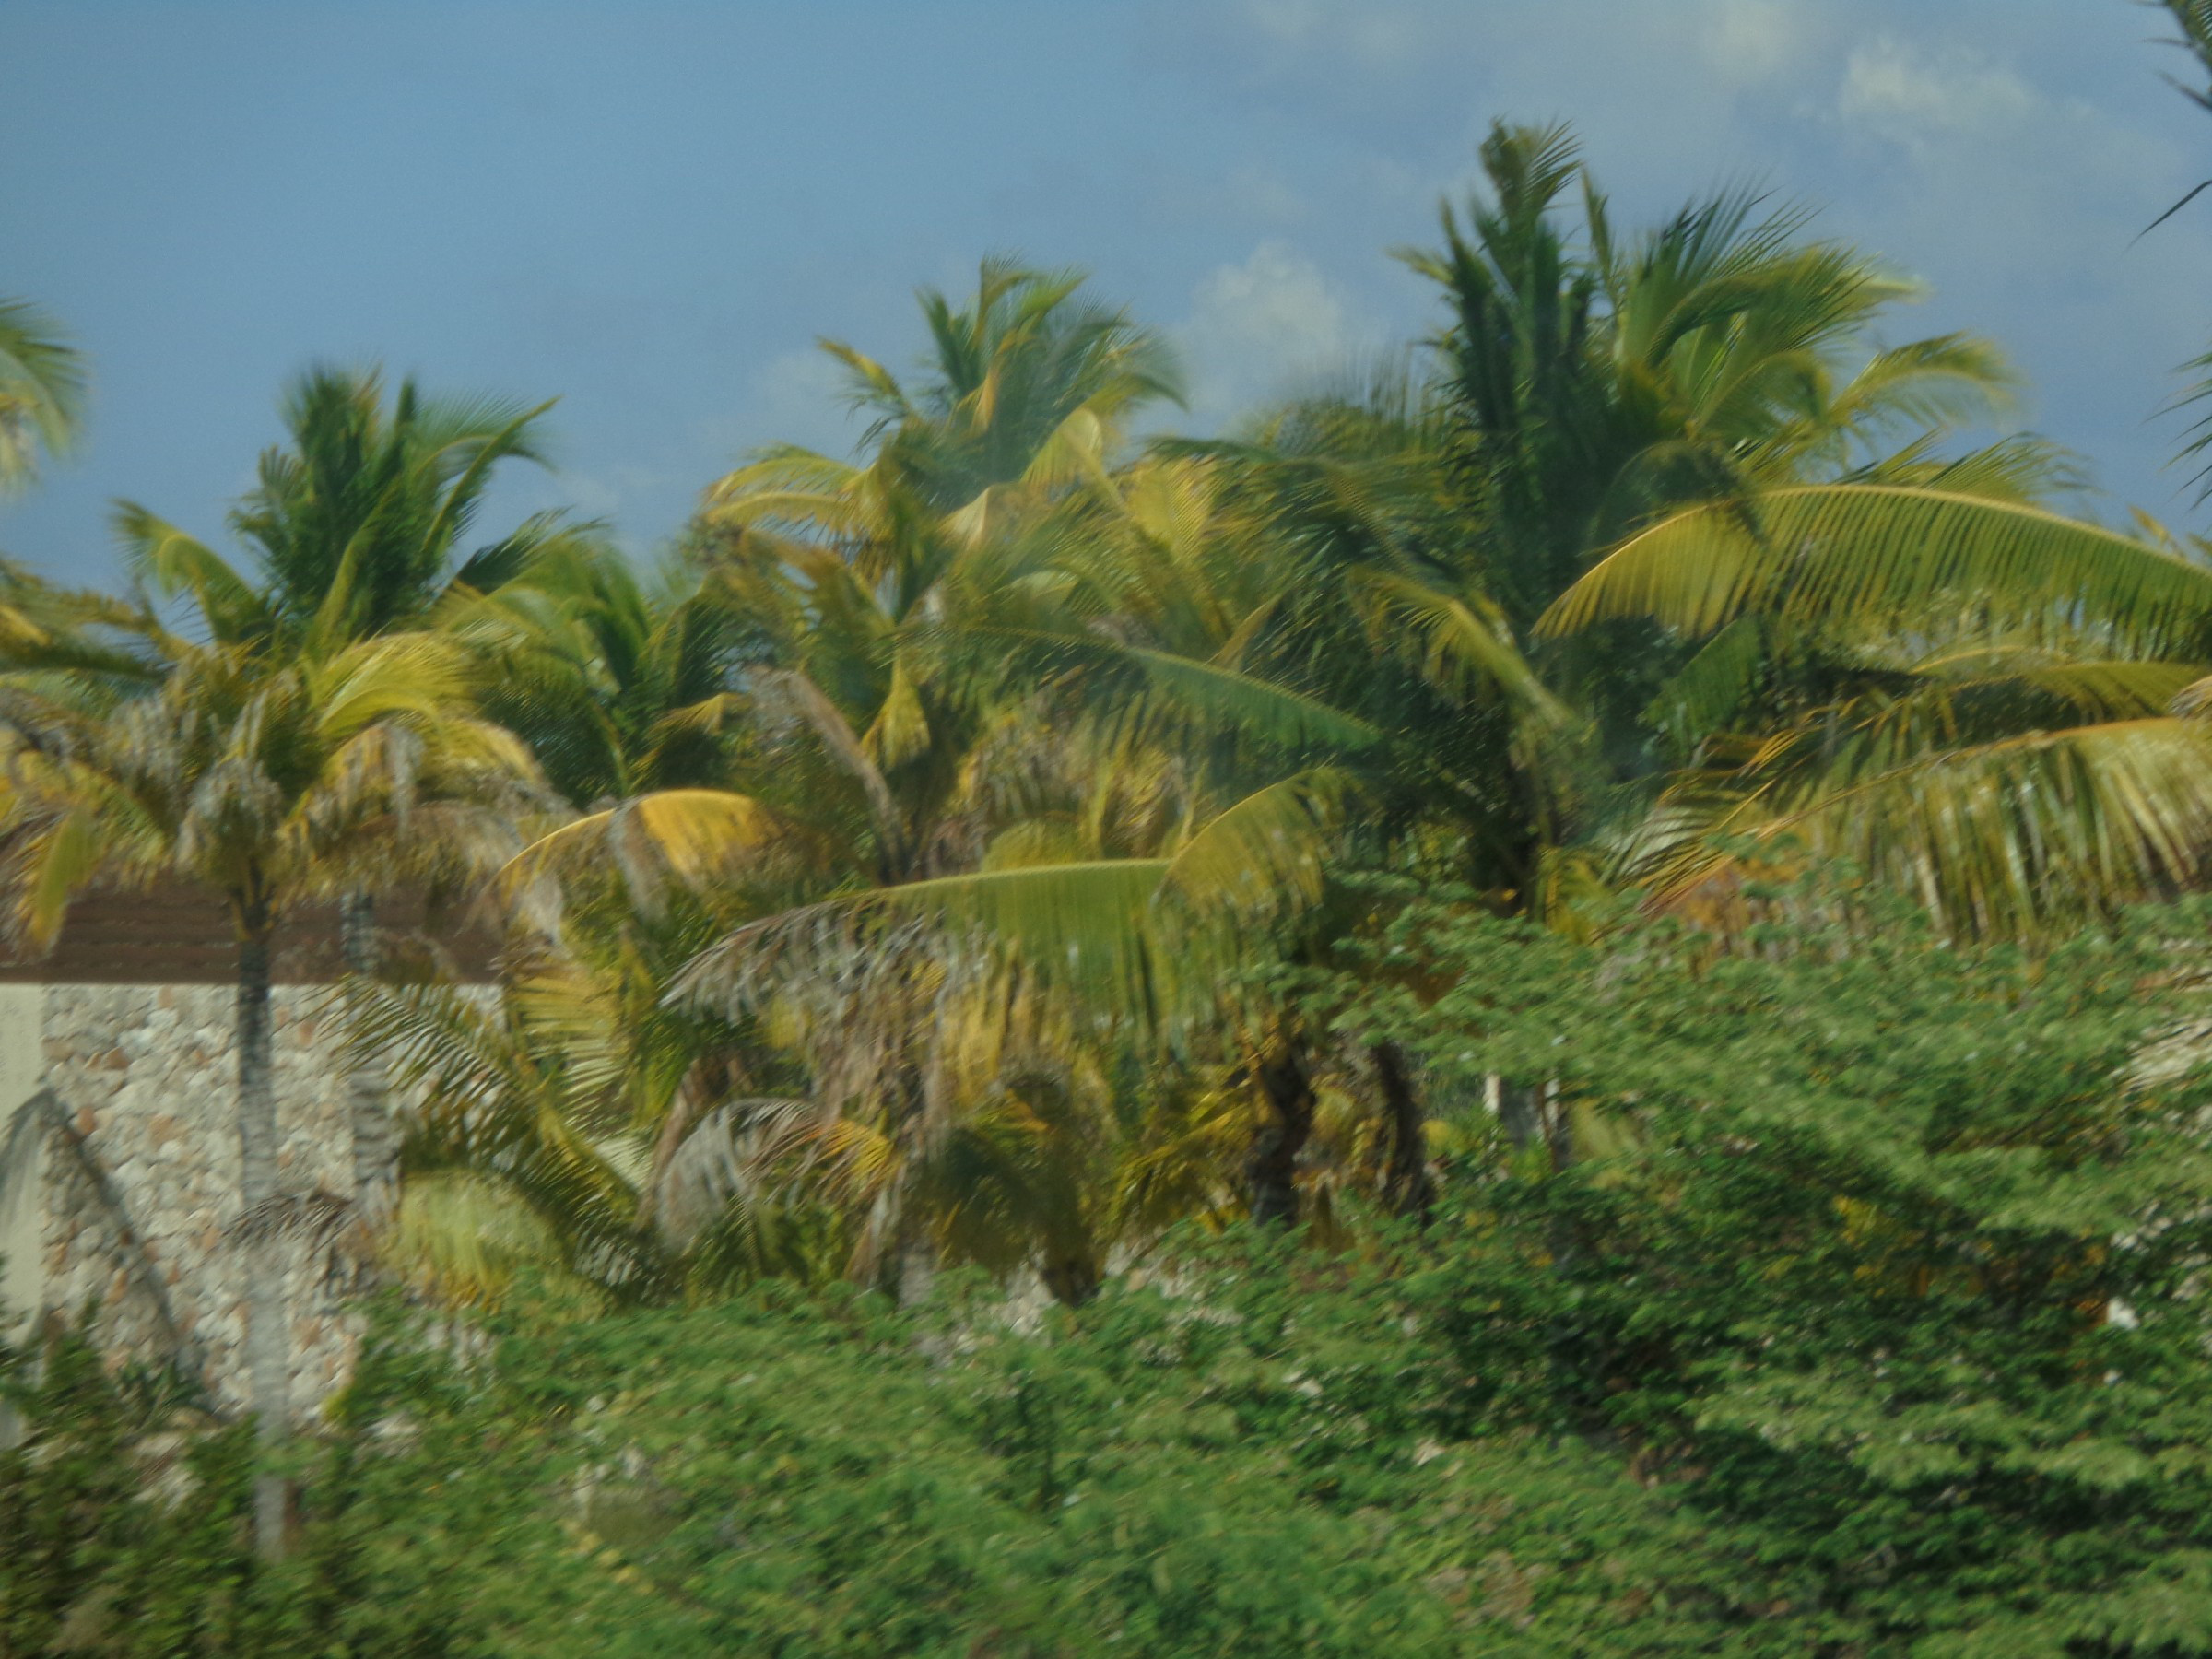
(180, 935)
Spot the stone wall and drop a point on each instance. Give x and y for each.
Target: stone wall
(127, 1114)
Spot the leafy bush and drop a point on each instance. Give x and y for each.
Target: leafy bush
(1865, 1321)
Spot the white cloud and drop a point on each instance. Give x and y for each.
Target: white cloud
(1259, 326)
(1748, 42)
(1908, 92)
(1378, 34)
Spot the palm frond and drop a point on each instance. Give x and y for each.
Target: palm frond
(691, 834)
(174, 563)
(43, 391)
(1270, 709)
(1838, 554)
(1265, 855)
(2013, 836)
(462, 1238)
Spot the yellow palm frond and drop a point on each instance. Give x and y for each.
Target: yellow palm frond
(793, 485)
(692, 834)
(900, 730)
(2003, 837)
(1839, 555)
(460, 1238)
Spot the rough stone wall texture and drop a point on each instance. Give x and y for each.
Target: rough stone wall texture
(146, 1158)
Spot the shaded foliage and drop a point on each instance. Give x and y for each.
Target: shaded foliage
(1865, 1321)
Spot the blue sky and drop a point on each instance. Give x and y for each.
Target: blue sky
(651, 209)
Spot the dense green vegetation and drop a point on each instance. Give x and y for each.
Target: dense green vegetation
(1815, 1352)
(1550, 1003)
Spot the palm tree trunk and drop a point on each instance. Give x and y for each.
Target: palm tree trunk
(1559, 1127)
(268, 1360)
(914, 1261)
(1520, 1108)
(914, 1271)
(1271, 1170)
(1532, 1114)
(1406, 1188)
(368, 1087)
(1073, 1278)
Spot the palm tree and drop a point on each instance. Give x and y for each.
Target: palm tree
(137, 755)
(1027, 390)
(622, 683)
(1593, 382)
(580, 1126)
(1353, 581)
(874, 756)
(904, 595)
(41, 392)
(553, 1125)
(1940, 683)
(354, 528)
(625, 689)
(851, 571)
(1266, 606)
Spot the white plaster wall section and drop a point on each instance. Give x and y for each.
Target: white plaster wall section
(22, 1063)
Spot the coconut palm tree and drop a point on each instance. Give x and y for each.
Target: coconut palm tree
(41, 392)
(1354, 579)
(709, 806)
(1266, 607)
(567, 1126)
(1028, 390)
(138, 755)
(1594, 381)
(623, 684)
(1931, 677)
(902, 593)
(878, 757)
(356, 527)
(851, 571)
(887, 993)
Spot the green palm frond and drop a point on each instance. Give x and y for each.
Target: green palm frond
(1466, 647)
(1086, 925)
(43, 391)
(1841, 555)
(1934, 385)
(1264, 855)
(495, 1103)
(174, 563)
(2024, 468)
(1708, 691)
(462, 1239)
(2088, 689)
(1269, 709)
(356, 522)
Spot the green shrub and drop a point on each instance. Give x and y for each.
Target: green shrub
(1866, 1321)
